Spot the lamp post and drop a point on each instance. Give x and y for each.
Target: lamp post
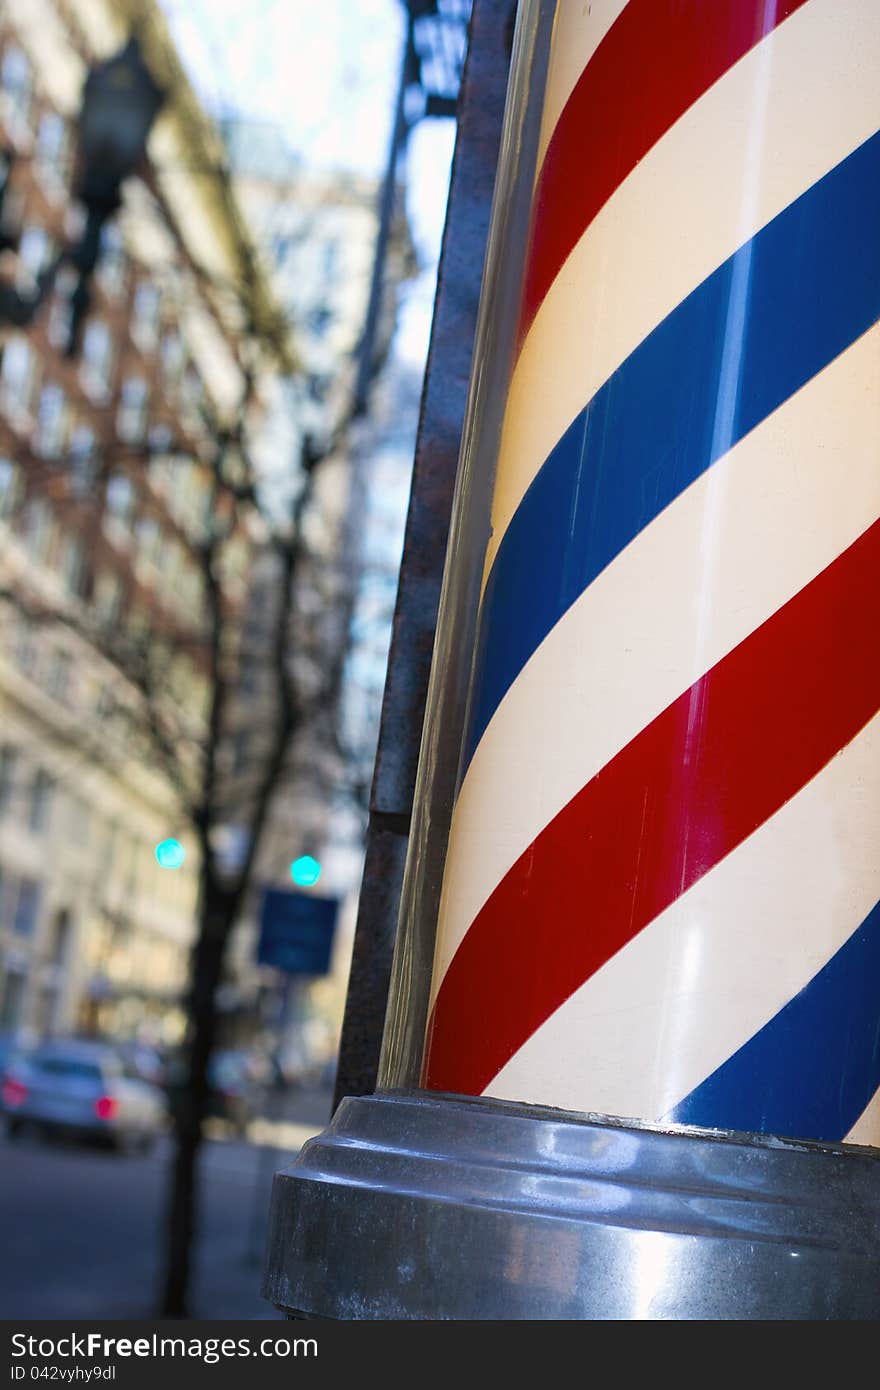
(120, 101)
(431, 65)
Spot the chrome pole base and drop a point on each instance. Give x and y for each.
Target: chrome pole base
(413, 1205)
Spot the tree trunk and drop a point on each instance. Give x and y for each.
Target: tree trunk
(216, 920)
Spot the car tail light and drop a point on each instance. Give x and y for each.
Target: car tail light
(14, 1092)
(106, 1107)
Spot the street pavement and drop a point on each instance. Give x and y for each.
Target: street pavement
(81, 1229)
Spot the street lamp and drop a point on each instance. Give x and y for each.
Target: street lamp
(435, 38)
(120, 101)
(119, 104)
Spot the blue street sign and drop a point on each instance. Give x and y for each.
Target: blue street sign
(296, 932)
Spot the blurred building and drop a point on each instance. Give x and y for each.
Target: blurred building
(318, 232)
(105, 492)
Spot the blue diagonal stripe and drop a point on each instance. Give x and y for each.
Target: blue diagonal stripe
(810, 1071)
(771, 317)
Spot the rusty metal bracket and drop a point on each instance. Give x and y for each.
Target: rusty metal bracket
(444, 395)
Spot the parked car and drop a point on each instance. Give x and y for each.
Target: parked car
(143, 1060)
(10, 1048)
(81, 1087)
(235, 1086)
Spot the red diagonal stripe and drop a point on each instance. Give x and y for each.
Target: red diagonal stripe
(685, 792)
(654, 62)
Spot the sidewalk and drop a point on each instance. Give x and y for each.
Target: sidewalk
(83, 1229)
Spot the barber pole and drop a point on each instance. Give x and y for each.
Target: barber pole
(661, 891)
(649, 1081)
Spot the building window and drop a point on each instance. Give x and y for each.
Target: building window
(52, 162)
(27, 907)
(120, 498)
(13, 195)
(108, 596)
(179, 490)
(12, 999)
(171, 357)
(131, 418)
(35, 250)
(39, 530)
(82, 461)
(172, 562)
(106, 704)
(190, 590)
(162, 552)
(60, 939)
(148, 540)
(46, 1005)
(15, 76)
(158, 470)
(40, 798)
(160, 438)
(137, 626)
(58, 675)
(58, 324)
(72, 566)
(52, 422)
(10, 486)
(25, 647)
(96, 372)
(193, 400)
(8, 766)
(18, 375)
(193, 499)
(112, 270)
(145, 315)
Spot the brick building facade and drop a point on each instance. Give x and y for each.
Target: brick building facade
(105, 491)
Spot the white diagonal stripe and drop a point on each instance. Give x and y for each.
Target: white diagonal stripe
(577, 32)
(866, 1129)
(707, 974)
(781, 118)
(737, 544)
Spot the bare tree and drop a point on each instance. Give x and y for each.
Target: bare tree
(297, 646)
(293, 635)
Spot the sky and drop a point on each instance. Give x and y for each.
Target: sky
(326, 71)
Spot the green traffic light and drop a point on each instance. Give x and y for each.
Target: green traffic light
(170, 854)
(305, 871)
